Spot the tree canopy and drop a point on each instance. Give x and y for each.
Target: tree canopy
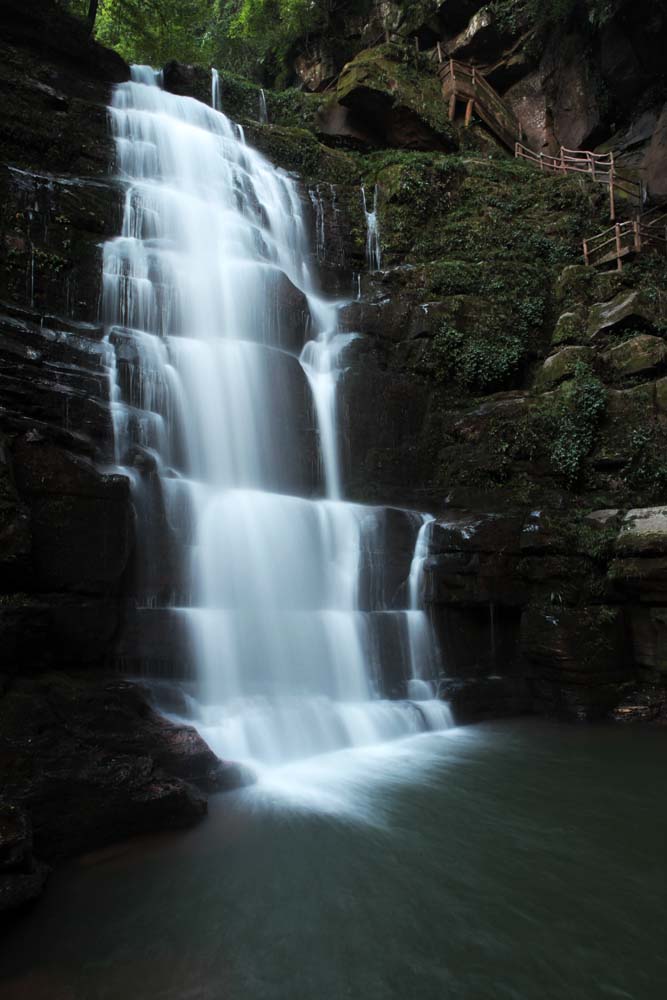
(251, 36)
(236, 34)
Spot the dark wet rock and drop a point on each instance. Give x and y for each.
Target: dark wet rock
(473, 699)
(187, 81)
(74, 510)
(22, 877)
(155, 642)
(577, 657)
(480, 40)
(91, 762)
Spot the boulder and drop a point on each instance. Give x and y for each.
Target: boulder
(628, 309)
(528, 101)
(644, 532)
(114, 769)
(395, 108)
(642, 355)
(570, 328)
(561, 366)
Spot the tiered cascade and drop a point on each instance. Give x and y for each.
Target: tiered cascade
(224, 400)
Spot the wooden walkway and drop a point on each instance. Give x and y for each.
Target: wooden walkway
(464, 83)
(647, 232)
(600, 167)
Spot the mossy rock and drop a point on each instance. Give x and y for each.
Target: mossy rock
(400, 102)
(561, 366)
(644, 532)
(642, 355)
(570, 328)
(631, 309)
(296, 149)
(584, 285)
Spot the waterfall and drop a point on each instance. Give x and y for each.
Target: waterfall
(224, 409)
(373, 250)
(263, 110)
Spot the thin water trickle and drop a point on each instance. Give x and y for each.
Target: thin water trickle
(263, 109)
(373, 248)
(219, 387)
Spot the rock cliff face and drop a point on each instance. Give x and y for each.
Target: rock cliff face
(83, 758)
(496, 382)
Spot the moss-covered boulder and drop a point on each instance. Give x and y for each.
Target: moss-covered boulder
(561, 366)
(644, 532)
(627, 310)
(297, 149)
(570, 328)
(399, 102)
(641, 355)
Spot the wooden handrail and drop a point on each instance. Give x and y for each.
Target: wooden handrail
(632, 236)
(599, 166)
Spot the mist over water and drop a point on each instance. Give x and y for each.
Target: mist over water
(224, 384)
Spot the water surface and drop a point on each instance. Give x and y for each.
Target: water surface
(516, 859)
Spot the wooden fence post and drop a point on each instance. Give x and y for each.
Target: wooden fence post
(439, 53)
(542, 161)
(612, 199)
(469, 109)
(586, 253)
(638, 236)
(619, 248)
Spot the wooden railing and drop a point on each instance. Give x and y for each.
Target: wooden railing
(463, 82)
(599, 167)
(646, 232)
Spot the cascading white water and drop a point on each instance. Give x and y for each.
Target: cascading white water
(219, 391)
(373, 249)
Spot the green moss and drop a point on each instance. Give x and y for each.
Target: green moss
(389, 76)
(298, 150)
(290, 108)
(645, 473)
(478, 361)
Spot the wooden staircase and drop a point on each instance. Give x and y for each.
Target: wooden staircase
(464, 83)
(625, 239)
